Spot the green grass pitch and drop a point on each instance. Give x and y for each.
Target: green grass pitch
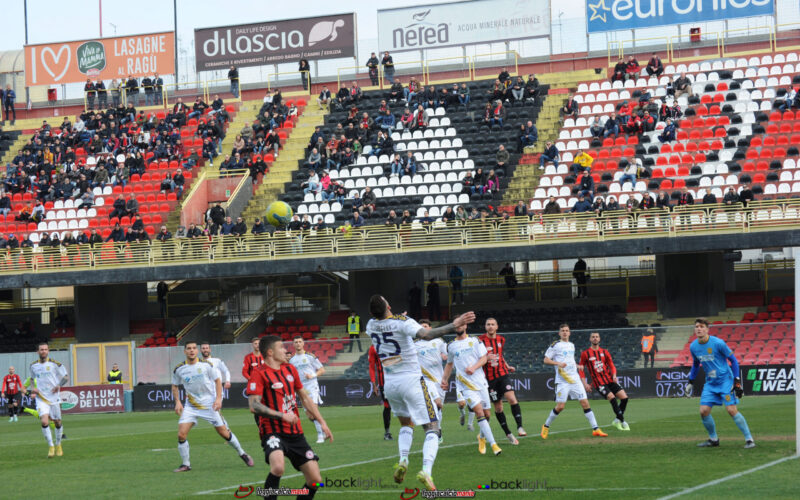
(132, 455)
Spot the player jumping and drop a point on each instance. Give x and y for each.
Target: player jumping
(603, 375)
(468, 355)
(12, 386)
(497, 370)
(203, 388)
(272, 392)
(561, 354)
(48, 376)
(405, 389)
(431, 353)
(376, 376)
(723, 385)
(309, 368)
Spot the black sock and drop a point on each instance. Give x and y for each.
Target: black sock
(623, 403)
(501, 417)
(515, 410)
(312, 490)
(615, 407)
(272, 482)
(387, 418)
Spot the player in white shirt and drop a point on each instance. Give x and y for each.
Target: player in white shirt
(561, 354)
(203, 387)
(48, 376)
(222, 368)
(468, 355)
(431, 354)
(404, 386)
(309, 368)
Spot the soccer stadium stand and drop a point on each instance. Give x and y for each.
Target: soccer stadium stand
(455, 141)
(729, 134)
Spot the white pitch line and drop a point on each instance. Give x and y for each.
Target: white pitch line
(482, 492)
(373, 460)
(726, 478)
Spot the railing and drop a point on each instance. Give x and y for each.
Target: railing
(287, 78)
(359, 72)
(488, 233)
(493, 64)
(417, 68)
(464, 62)
(771, 35)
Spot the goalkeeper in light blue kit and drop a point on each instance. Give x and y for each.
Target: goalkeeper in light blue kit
(723, 385)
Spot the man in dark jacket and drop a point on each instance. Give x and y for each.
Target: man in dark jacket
(581, 278)
(217, 214)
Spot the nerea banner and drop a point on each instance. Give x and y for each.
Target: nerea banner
(275, 42)
(462, 23)
(102, 59)
(612, 15)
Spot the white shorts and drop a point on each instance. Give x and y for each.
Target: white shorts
(191, 414)
(313, 393)
(53, 409)
(409, 397)
(460, 396)
(434, 389)
(475, 398)
(570, 391)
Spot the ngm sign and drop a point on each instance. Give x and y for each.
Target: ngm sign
(612, 15)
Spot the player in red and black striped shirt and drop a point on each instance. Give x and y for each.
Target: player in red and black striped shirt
(497, 370)
(376, 375)
(597, 361)
(273, 390)
(11, 390)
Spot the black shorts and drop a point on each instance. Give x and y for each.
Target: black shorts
(498, 387)
(12, 398)
(294, 447)
(611, 388)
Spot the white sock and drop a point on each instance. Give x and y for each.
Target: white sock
(404, 438)
(550, 418)
(59, 433)
(320, 433)
(461, 411)
(234, 444)
(590, 417)
(429, 449)
(183, 449)
(486, 430)
(47, 436)
(471, 418)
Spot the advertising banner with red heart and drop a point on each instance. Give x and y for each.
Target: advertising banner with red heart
(100, 59)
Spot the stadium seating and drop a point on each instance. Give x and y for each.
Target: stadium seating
(453, 144)
(729, 135)
(288, 329)
(753, 344)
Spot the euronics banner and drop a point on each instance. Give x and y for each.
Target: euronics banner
(612, 15)
(462, 23)
(101, 58)
(275, 42)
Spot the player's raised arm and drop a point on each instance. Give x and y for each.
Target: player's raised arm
(313, 410)
(435, 333)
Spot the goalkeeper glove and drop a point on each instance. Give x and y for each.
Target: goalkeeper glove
(737, 387)
(688, 389)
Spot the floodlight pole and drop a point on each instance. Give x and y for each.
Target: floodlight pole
(100, 10)
(27, 90)
(175, 37)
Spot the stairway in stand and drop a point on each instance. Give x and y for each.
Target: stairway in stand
(292, 155)
(527, 173)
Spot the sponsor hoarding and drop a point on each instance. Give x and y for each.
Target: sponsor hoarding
(93, 399)
(100, 59)
(274, 42)
(612, 15)
(462, 23)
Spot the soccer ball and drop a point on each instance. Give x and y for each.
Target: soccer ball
(279, 213)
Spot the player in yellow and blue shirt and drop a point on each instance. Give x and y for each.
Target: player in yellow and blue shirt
(722, 386)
